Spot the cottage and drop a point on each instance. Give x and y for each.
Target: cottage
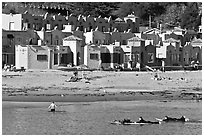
(11, 38)
(75, 44)
(92, 56)
(173, 52)
(134, 52)
(34, 57)
(193, 52)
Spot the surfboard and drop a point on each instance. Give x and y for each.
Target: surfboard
(171, 121)
(132, 123)
(159, 119)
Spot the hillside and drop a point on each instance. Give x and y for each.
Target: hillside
(185, 14)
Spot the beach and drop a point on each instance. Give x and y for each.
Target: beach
(53, 85)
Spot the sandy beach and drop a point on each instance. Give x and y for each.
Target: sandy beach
(49, 85)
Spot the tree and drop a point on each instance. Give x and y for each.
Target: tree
(141, 9)
(95, 9)
(191, 18)
(173, 14)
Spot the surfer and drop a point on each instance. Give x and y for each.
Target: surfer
(125, 121)
(52, 107)
(170, 119)
(141, 120)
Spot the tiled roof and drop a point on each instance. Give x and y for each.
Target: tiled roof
(171, 40)
(135, 39)
(119, 20)
(72, 38)
(131, 16)
(152, 30)
(197, 41)
(177, 29)
(38, 47)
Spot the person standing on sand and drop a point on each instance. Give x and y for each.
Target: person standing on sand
(163, 66)
(52, 107)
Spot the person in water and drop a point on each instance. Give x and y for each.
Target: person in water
(52, 107)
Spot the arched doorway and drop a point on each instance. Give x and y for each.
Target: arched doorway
(142, 59)
(67, 58)
(78, 58)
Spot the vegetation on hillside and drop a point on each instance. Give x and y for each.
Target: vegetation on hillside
(185, 14)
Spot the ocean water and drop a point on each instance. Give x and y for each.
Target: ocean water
(93, 118)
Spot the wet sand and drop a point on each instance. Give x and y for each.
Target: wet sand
(52, 85)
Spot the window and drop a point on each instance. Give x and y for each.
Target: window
(28, 25)
(111, 28)
(25, 25)
(150, 58)
(57, 42)
(124, 42)
(81, 28)
(10, 39)
(89, 28)
(197, 56)
(42, 57)
(48, 26)
(127, 57)
(19, 40)
(34, 26)
(55, 59)
(137, 57)
(94, 56)
(116, 58)
(97, 41)
(133, 57)
(106, 57)
(103, 28)
(121, 29)
(11, 25)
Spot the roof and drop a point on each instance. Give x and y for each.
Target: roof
(142, 29)
(152, 30)
(191, 32)
(72, 38)
(38, 47)
(131, 16)
(178, 29)
(135, 39)
(196, 41)
(171, 40)
(119, 20)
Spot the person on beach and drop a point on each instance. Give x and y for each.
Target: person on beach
(52, 107)
(163, 66)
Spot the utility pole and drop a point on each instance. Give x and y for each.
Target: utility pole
(150, 21)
